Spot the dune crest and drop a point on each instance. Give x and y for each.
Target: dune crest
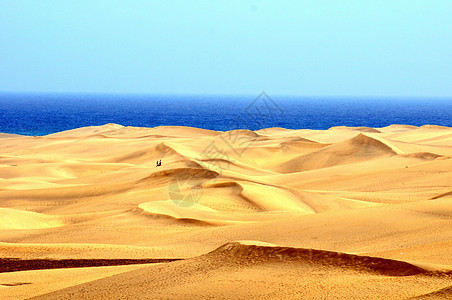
(253, 252)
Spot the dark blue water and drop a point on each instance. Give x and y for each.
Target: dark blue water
(42, 114)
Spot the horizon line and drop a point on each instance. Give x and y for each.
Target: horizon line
(223, 95)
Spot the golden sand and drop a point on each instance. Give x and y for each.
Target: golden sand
(354, 213)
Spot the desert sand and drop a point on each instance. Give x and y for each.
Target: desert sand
(343, 213)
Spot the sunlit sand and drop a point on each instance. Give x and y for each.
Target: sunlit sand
(341, 213)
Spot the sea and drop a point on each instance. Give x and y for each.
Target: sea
(42, 114)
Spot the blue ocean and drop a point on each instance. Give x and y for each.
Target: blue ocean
(41, 114)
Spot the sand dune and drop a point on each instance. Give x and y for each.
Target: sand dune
(439, 294)
(361, 147)
(19, 219)
(252, 252)
(309, 273)
(340, 213)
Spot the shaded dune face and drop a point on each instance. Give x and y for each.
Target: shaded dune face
(319, 207)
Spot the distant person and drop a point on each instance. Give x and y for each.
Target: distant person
(157, 164)
(160, 162)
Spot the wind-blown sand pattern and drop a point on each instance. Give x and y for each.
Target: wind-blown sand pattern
(356, 213)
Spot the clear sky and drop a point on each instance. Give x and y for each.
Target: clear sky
(323, 48)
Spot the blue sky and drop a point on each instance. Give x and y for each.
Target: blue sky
(312, 48)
